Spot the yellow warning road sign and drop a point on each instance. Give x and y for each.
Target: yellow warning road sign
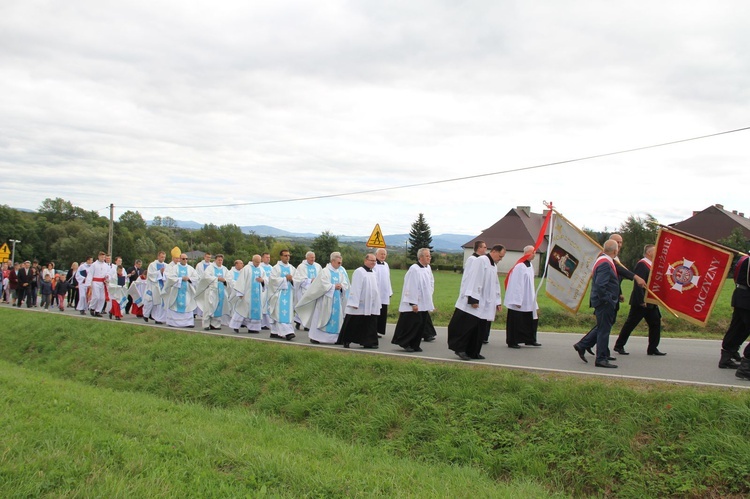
(376, 238)
(4, 252)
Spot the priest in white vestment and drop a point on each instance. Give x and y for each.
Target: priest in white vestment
(249, 289)
(414, 321)
(201, 267)
(321, 309)
(153, 302)
(281, 297)
(383, 274)
(362, 308)
(180, 299)
(520, 302)
(265, 264)
(478, 302)
(304, 275)
(211, 292)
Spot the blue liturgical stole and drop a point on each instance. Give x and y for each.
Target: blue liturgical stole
(160, 266)
(219, 272)
(285, 297)
(255, 293)
(334, 323)
(181, 302)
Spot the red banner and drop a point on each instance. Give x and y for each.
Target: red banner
(688, 274)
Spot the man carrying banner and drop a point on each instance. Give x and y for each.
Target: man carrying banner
(640, 310)
(605, 294)
(739, 328)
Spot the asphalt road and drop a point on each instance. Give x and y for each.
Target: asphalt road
(688, 361)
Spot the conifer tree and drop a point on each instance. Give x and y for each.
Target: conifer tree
(420, 236)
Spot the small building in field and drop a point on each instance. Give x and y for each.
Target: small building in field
(517, 229)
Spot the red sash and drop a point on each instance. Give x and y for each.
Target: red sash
(106, 291)
(645, 260)
(605, 258)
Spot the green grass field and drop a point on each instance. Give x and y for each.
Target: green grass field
(553, 317)
(94, 408)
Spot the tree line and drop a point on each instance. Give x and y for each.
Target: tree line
(63, 233)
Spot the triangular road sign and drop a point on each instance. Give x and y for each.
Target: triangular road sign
(376, 238)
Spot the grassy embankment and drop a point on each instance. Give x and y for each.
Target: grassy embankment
(122, 409)
(553, 317)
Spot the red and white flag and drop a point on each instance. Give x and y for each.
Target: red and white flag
(688, 274)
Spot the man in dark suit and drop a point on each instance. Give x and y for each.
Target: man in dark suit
(133, 273)
(605, 294)
(640, 310)
(25, 276)
(739, 328)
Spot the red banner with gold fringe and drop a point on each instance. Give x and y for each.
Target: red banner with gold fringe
(688, 274)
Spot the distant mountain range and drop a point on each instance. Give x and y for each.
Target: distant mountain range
(440, 242)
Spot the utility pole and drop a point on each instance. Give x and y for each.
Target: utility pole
(111, 227)
(13, 251)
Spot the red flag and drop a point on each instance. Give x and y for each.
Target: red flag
(688, 274)
(539, 240)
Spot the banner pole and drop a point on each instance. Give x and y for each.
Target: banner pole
(725, 248)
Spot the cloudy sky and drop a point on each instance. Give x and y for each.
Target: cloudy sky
(177, 104)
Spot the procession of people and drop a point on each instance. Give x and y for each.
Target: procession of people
(332, 309)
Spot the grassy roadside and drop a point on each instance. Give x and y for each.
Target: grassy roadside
(583, 437)
(66, 439)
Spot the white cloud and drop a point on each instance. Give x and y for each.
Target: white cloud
(255, 101)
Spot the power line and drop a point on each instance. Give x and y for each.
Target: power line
(444, 181)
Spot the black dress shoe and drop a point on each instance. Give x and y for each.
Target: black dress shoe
(237, 331)
(417, 349)
(265, 328)
(190, 327)
(656, 352)
(408, 349)
(431, 338)
(346, 345)
(157, 322)
(610, 358)
(590, 351)
(480, 357)
(581, 352)
(535, 344)
(274, 335)
(290, 336)
(606, 364)
(621, 350)
(463, 356)
(253, 332)
(296, 326)
(514, 345)
(315, 342)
